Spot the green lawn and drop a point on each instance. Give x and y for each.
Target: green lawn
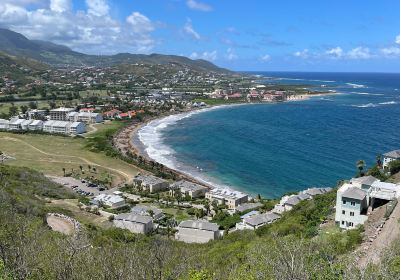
(50, 154)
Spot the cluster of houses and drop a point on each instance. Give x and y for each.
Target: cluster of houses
(61, 120)
(357, 198)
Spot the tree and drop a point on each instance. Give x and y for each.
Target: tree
(379, 160)
(63, 169)
(24, 109)
(32, 105)
(151, 213)
(81, 167)
(13, 111)
(259, 197)
(394, 167)
(178, 196)
(207, 207)
(360, 165)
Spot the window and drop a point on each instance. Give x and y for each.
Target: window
(342, 222)
(351, 224)
(353, 203)
(344, 201)
(352, 214)
(343, 212)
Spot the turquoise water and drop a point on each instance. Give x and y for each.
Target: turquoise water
(272, 149)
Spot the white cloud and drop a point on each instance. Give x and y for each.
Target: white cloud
(97, 7)
(359, 53)
(211, 56)
(302, 54)
(335, 52)
(92, 31)
(140, 23)
(398, 39)
(188, 29)
(199, 6)
(60, 6)
(265, 57)
(391, 52)
(230, 54)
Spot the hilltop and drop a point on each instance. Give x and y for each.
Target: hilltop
(16, 44)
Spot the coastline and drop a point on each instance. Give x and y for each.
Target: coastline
(134, 144)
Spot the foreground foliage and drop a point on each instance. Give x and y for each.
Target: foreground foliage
(29, 250)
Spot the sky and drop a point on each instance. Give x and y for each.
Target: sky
(242, 35)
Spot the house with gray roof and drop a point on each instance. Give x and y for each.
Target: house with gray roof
(248, 206)
(197, 231)
(150, 183)
(351, 206)
(188, 189)
(134, 223)
(256, 221)
(150, 211)
(389, 157)
(364, 182)
(4, 124)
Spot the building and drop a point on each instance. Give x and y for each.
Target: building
(15, 124)
(64, 127)
(77, 128)
(25, 124)
(145, 210)
(255, 221)
(36, 125)
(4, 124)
(86, 117)
(36, 114)
(389, 157)
(60, 114)
(197, 231)
(351, 206)
(150, 183)
(228, 197)
(188, 189)
(354, 198)
(110, 200)
(248, 206)
(134, 223)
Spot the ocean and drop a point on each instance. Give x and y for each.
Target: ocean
(272, 149)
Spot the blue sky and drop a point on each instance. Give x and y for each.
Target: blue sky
(240, 35)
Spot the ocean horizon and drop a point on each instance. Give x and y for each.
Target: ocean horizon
(272, 149)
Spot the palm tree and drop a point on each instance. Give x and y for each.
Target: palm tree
(360, 165)
(63, 171)
(89, 167)
(178, 196)
(151, 213)
(207, 207)
(81, 167)
(259, 197)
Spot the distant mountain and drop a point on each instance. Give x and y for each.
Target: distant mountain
(16, 44)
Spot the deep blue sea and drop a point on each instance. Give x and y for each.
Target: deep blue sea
(272, 149)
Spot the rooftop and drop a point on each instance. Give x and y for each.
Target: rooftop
(365, 180)
(149, 179)
(393, 154)
(262, 219)
(187, 186)
(199, 224)
(62, 109)
(130, 217)
(226, 193)
(248, 206)
(354, 193)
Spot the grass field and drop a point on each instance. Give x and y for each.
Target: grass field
(50, 154)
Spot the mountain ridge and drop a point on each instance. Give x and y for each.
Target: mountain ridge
(16, 44)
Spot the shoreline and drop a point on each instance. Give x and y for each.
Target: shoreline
(137, 147)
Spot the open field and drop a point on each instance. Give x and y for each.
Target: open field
(50, 154)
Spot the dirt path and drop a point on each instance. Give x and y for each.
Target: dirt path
(389, 233)
(60, 225)
(125, 175)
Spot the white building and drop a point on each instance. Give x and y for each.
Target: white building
(113, 201)
(256, 221)
(150, 183)
(389, 157)
(351, 206)
(15, 124)
(188, 189)
(64, 127)
(354, 198)
(86, 117)
(36, 125)
(198, 231)
(25, 124)
(4, 124)
(36, 114)
(134, 223)
(228, 197)
(60, 114)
